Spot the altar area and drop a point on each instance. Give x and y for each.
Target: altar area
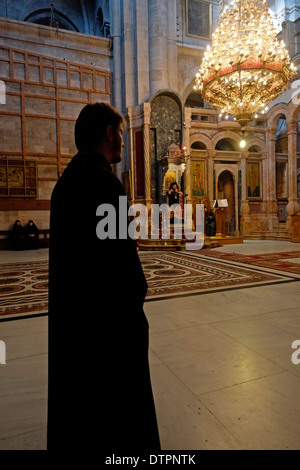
(219, 225)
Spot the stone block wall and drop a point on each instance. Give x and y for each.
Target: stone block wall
(48, 79)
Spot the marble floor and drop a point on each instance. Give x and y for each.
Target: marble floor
(221, 367)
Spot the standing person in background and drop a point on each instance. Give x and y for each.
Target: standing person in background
(100, 394)
(175, 196)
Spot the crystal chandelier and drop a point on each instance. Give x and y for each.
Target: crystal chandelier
(246, 67)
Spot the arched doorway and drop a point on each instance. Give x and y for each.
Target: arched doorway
(165, 128)
(226, 190)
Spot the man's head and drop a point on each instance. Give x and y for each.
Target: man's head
(99, 127)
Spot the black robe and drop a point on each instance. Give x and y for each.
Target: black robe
(174, 197)
(210, 224)
(100, 395)
(31, 233)
(17, 237)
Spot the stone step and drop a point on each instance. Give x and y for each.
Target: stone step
(161, 244)
(278, 234)
(173, 244)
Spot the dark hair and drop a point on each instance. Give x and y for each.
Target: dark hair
(92, 122)
(172, 184)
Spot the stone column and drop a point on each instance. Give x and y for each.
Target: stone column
(147, 163)
(172, 53)
(264, 181)
(293, 206)
(186, 143)
(117, 84)
(141, 45)
(116, 37)
(269, 189)
(245, 209)
(130, 147)
(158, 55)
(210, 174)
(288, 34)
(128, 52)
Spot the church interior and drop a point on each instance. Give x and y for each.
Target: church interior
(223, 319)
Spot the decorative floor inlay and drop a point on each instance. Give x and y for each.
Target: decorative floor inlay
(24, 286)
(282, 261)
(176, 274)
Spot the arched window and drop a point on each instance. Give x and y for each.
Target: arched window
(51, 17)
(194, 100)
(102, 26)
(254, 148)
(226, 144)
(281, 137)
(198, 146)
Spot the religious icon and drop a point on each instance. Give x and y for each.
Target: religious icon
(197, 178)
(253, 179)
(170, 177)
(281, 179)
(198, 15)
(18, 178)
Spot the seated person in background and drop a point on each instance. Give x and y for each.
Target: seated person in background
(31, 236)
(17, 236)
(210, 222)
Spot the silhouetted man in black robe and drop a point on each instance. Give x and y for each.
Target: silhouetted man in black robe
(100, 395)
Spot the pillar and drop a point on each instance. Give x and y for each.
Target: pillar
(116, 37)
(158, 55)
(186, 143)
(141, 70)
(172, 53)
(117, 84)
(245, 208)
(210, 174)
(128, 53)
(293, 206)
(130, 137)
(269, 189)
(147, 163)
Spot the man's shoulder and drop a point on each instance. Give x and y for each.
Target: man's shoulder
(86, 177)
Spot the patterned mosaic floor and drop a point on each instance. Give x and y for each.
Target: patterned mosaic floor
(283, 261)
(24, 286)
(178, 274)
